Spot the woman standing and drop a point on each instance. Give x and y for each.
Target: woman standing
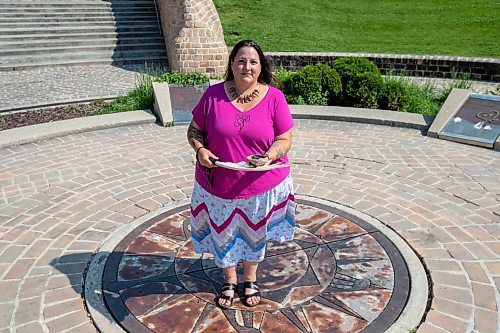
(234, 213)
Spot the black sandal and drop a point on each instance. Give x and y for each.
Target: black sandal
(226, 287)
(251, 285)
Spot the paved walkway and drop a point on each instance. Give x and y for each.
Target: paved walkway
(56, 85)
(61, 198)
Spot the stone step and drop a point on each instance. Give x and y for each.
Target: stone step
(76, 15)
(70, 4)
(160, 60)
(111, 41)
(83, 56)
(75, 24)
(23, 52)
(49, 10)
(107, 17)
(64, 30)
(77, 36)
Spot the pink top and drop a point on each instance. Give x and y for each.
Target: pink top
(232, 135)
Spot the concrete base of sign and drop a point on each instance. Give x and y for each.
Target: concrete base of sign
(162, 105)
(454, 101)
(450, 123)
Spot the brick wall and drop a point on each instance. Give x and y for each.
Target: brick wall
(193, 36)
(481, 69)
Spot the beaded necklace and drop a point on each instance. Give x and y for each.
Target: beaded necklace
(243, 99)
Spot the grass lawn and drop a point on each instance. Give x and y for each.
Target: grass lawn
(438, 27)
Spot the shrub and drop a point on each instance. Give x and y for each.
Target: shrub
(279, 76)
(395, 96)
(364, 90)
(349, 69)
(315, 85)
(187, 79)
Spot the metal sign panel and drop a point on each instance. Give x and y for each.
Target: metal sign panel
(477, 122)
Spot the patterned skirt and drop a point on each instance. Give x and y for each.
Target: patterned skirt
(238, 229)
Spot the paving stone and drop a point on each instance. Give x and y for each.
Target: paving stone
(28, 311)
(480, 251)
(459, 252)
(29, 328)
(449, 279)
(9, 291)
(454, 294)
(66, 322)
(428, 328)
(485, 321)
(19, 269)
(49, 257)
(484, 296)
(448, 323)
(58, 295)
(32, 286)
(460, 310)
(60, 309)
(11, 253)
(38, 247)
(478, 233)
(65, 280)
(6, 310)
(493, 267)
(85, 328)
(476, 272)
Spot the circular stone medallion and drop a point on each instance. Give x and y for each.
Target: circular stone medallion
(339, 274)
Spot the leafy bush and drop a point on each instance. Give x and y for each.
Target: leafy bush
(315, 85)
(186, 79)
(395, 96)
(279, 76)
(364, 90)
(351, 67)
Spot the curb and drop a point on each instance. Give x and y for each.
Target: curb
(57, 103)
(32, 133)
(369, 116)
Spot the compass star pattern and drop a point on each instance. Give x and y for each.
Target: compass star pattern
(339, 274)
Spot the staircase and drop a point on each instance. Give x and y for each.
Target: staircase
(64, 32)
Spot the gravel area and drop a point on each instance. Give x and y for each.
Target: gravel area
(31, 117)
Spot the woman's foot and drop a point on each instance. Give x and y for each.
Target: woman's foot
(252, 293)
(225, 299)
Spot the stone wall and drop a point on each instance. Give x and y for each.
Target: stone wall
(481, 69)
(193, 36)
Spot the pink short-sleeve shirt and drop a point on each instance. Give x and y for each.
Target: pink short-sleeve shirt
(232, 135)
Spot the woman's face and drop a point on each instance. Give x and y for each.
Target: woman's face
(246, 65)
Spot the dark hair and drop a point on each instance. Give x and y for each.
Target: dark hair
(266, 76)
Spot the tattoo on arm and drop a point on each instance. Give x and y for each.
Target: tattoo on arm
(194, 135)
(279, 152)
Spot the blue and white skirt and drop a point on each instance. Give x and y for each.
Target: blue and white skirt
(238, 229)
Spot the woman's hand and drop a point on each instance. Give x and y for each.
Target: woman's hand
(205, 157)
(259, 160)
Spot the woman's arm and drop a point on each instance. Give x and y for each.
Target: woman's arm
(195, 139)
(194, 136)
(280, 146)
